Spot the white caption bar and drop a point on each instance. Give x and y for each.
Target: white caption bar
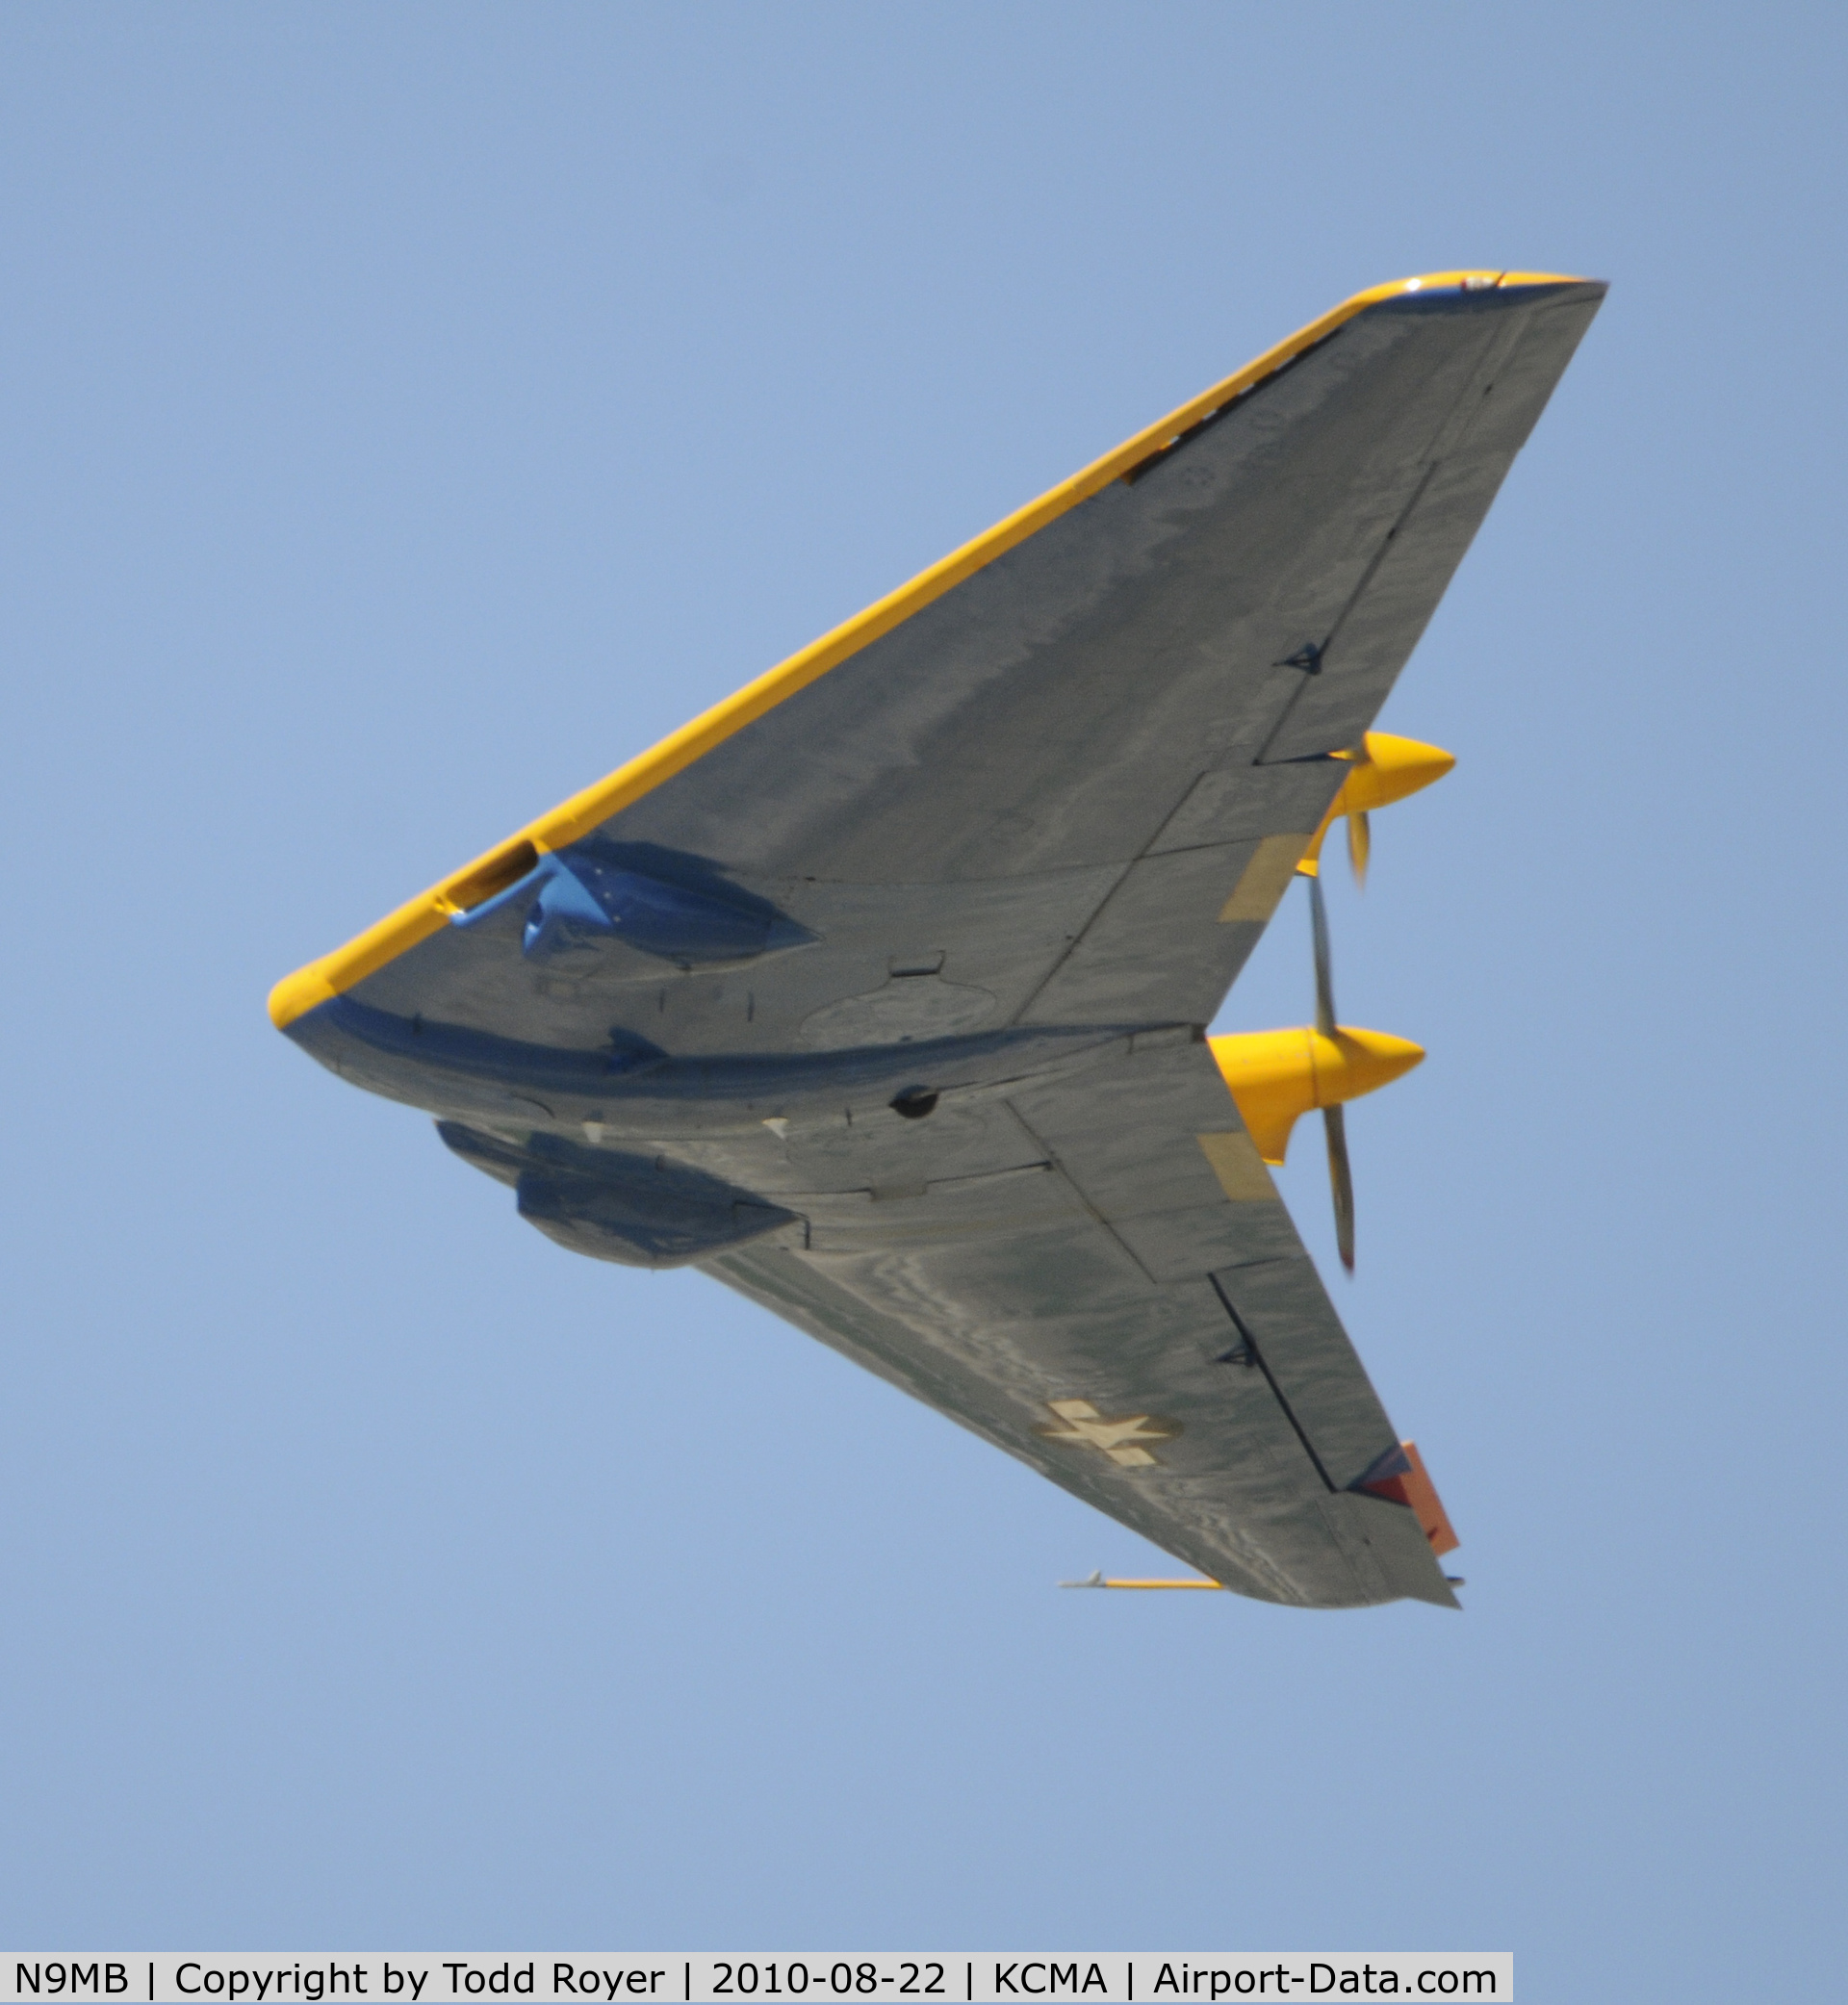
(820, 1977)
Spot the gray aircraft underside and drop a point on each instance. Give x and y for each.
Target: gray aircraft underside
(889, 1009)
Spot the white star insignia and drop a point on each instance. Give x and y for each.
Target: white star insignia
(1116, 1438)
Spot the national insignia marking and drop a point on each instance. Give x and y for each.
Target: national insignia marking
(1116, 1438)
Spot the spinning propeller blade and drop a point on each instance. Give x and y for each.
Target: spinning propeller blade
(1325, 976)
(1340, 1176)
(1360, 844)
(1382, 769)
(1341, 1179)
(1360, 835)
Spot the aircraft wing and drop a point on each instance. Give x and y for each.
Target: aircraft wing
(1118, 1296)
(880, 989)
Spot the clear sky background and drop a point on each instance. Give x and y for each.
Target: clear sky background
(407, 415)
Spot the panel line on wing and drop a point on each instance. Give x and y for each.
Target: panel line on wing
(1354, 598)
(1072, 945)
(1453, 434)
(1257, 1357)
(1071, 1183)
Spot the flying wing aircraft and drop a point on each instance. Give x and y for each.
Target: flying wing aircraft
(880, 991)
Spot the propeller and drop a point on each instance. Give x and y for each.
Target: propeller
(1382, 769)
(1360, 835)
(1340, 1176)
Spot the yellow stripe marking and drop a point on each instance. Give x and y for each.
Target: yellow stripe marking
(1238, 1166)
(1265, 879)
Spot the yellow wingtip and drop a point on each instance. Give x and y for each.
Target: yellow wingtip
(1476, 279)
(296, 994)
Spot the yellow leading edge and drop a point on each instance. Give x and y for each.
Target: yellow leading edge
(334, 973)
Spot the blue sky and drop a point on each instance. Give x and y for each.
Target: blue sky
(408, 415)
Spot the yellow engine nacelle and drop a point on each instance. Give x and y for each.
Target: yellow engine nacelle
(1385, 769)
(1276, 1076)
